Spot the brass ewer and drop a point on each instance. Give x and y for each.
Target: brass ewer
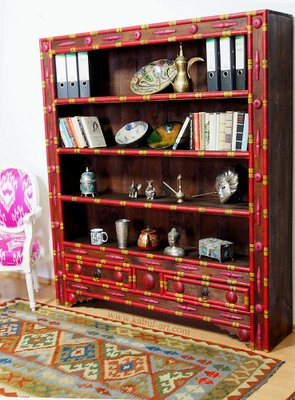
(183, 81)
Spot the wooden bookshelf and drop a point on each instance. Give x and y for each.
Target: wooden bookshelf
(249, 297)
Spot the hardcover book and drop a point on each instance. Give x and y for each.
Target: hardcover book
(92, 131)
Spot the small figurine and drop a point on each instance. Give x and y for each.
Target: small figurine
(179, 193)
(150, 191)
(133, 189)
(173, 249)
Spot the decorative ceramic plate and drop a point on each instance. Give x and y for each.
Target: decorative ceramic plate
(153, 77)
(131, 133)
(164, 136)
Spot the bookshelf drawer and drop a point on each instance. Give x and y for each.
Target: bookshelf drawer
(204, 291)
(99, 272)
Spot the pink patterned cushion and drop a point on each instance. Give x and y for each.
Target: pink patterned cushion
(11, 249)
(16, 197)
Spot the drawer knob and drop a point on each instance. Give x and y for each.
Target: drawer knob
(244, 335)
(78, 268)
(178, 287)
(118, 276)
(148, 281)
(72, 298)
(231, 296)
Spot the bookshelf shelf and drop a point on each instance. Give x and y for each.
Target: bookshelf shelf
(155, 153)
(168, 204)
(257, 281)
(156, 97)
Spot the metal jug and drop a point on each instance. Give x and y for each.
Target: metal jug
(182, 81)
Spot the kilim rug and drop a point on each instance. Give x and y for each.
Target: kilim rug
(58, 353)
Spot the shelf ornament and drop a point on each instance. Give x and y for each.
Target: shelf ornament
(88, 183)
(178, 193)
(226, 185)
(133, 189)
(182, 81)
(174, 249)
(150, 191)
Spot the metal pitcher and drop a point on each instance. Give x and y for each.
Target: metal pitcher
(182, 81)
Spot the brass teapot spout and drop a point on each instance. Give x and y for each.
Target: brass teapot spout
(183, 81)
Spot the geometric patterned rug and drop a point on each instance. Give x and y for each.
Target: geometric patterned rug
(61, 353)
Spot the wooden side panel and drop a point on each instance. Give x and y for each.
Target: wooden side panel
(280, 173)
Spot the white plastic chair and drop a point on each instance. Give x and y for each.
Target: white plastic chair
(19, 209)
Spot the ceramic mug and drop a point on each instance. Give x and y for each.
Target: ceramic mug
(98, 236)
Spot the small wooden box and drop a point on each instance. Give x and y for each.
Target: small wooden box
(216, 248)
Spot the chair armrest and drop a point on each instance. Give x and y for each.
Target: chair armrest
(33, 215)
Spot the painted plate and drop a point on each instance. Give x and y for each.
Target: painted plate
(153, 77)
(164, 136)
(131, 133)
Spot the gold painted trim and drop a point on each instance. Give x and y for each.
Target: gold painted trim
(265, 213)
(264, 63)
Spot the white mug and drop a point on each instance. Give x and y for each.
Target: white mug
(98, 236)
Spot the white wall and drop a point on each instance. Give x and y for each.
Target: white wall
(22, 23)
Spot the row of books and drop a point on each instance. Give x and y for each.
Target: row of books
(224, 131)
(226, 63)
(72, 75)
(81, 131)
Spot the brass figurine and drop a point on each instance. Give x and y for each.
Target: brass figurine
(178, 193)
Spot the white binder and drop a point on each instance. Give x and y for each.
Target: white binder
(72, 74)
(213, 64)
(83, 72)
(61, 76)
(240, 62)
(227, 63)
